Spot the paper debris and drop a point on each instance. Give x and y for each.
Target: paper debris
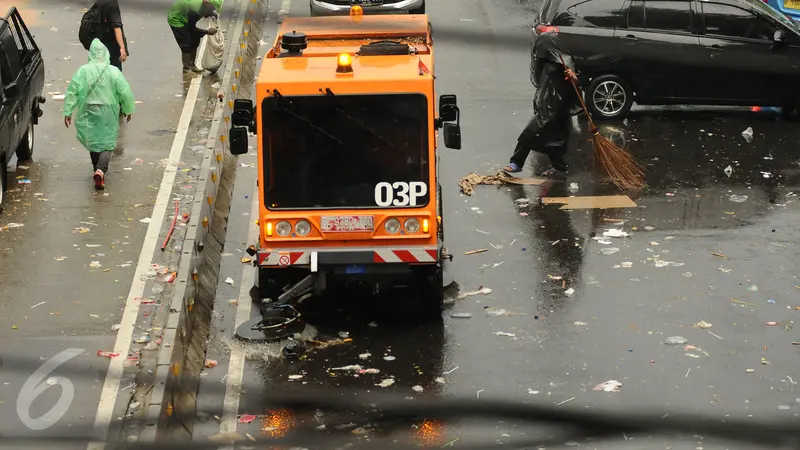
(608, 386)
(598, 202)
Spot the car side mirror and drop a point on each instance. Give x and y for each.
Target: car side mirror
(452, 136)
(238, 140)
(10, 91)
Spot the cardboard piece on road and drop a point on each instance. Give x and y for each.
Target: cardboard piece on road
(601, 202)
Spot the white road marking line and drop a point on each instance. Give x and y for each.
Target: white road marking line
(233, 389)
(108, 397)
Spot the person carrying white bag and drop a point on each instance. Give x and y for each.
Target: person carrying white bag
(213, 47)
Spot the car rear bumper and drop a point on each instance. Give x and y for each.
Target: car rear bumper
(315, 258)
(322, 8)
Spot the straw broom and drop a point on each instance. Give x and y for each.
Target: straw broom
(614, 162)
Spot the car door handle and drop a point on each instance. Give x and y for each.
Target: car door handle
(630, 36)
(716, 46)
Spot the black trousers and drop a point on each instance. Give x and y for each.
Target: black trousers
(551, 139)
(100, 160)
(187, 37)
(114, 52)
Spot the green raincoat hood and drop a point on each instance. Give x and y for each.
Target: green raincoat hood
(98, 53)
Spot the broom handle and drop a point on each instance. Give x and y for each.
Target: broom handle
(580, 97)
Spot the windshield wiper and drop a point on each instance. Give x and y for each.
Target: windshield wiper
(329, 93)
(303, 119)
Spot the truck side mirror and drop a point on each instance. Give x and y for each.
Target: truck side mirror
(448, 108)
(452, 136)
(243, 114)
(238, 139)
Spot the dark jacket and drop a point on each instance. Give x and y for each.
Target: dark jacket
(555, 99)
(112, 18)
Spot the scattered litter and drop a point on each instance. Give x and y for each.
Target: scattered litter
(503, 333)
(573, 187)
(750, 370)
(738, 198)
(771, 301)
(52, 381)
(569, 291)
(451, 370)
(478, 394)
(735, 300)
(625, 264)
(688, 274)
(146, 220)
(580, 324)
(715, 335)
(747, 134)
(38, 304)
(344, 334)
(386, 383)
(753, 288)
(495, 312)
(389, 358)
(417, 388)
(703, 324)
(608, 386)
(565, 401)
(613, 232)
(107, 354)
(364, 356)
(772, 324)
(246, 418)
(718, 255)
(472, 252)
(784, 407)
(59, 97)
(95, 265)
(728, 171)
(676, 340)
(229, 280)
(608, 251)
(532, 392)
(211, 363)
(468, 183)
(481, 291)
(246, 260)
(598, 202)
(461, 315)
(725, 270)
(24, 181)
(350, 368)
(116, 327)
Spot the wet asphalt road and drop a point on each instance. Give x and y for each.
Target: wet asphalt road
(614, 325)
(51, 296)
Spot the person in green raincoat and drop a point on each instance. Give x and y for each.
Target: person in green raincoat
(182, 18)
(97, 93)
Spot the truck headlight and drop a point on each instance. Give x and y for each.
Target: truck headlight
(411, 225)
(392, 226)
(302, 228)
(283, 228)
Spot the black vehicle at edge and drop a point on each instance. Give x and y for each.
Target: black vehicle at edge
(22, 80)
(666, 52)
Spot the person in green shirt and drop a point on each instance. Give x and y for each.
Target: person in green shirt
(182, 18)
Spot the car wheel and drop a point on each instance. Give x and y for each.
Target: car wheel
(3, 176)
(25, 148)
(420, 10)
(609, 97)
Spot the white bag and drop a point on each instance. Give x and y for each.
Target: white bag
(213, 47)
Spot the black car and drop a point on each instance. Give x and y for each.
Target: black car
(662, 52)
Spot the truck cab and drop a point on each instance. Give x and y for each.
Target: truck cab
(347, 125)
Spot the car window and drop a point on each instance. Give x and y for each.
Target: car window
(636, 15)
(604, 14)
(731, 21)
(668, 16)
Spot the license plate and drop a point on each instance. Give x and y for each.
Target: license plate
(366, 2)
(793, 4)
(347, 223)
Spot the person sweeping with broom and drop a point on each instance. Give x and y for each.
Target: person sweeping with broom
(557, 99)
(554, 105)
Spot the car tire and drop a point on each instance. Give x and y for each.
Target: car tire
(608, 97)
(3, 181)
(420, 10)
(25, 147)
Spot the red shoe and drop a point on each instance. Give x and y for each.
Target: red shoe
(99, 180)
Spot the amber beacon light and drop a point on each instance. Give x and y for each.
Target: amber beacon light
(356, 10)
(344, 63)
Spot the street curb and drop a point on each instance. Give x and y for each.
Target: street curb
(181, 357)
